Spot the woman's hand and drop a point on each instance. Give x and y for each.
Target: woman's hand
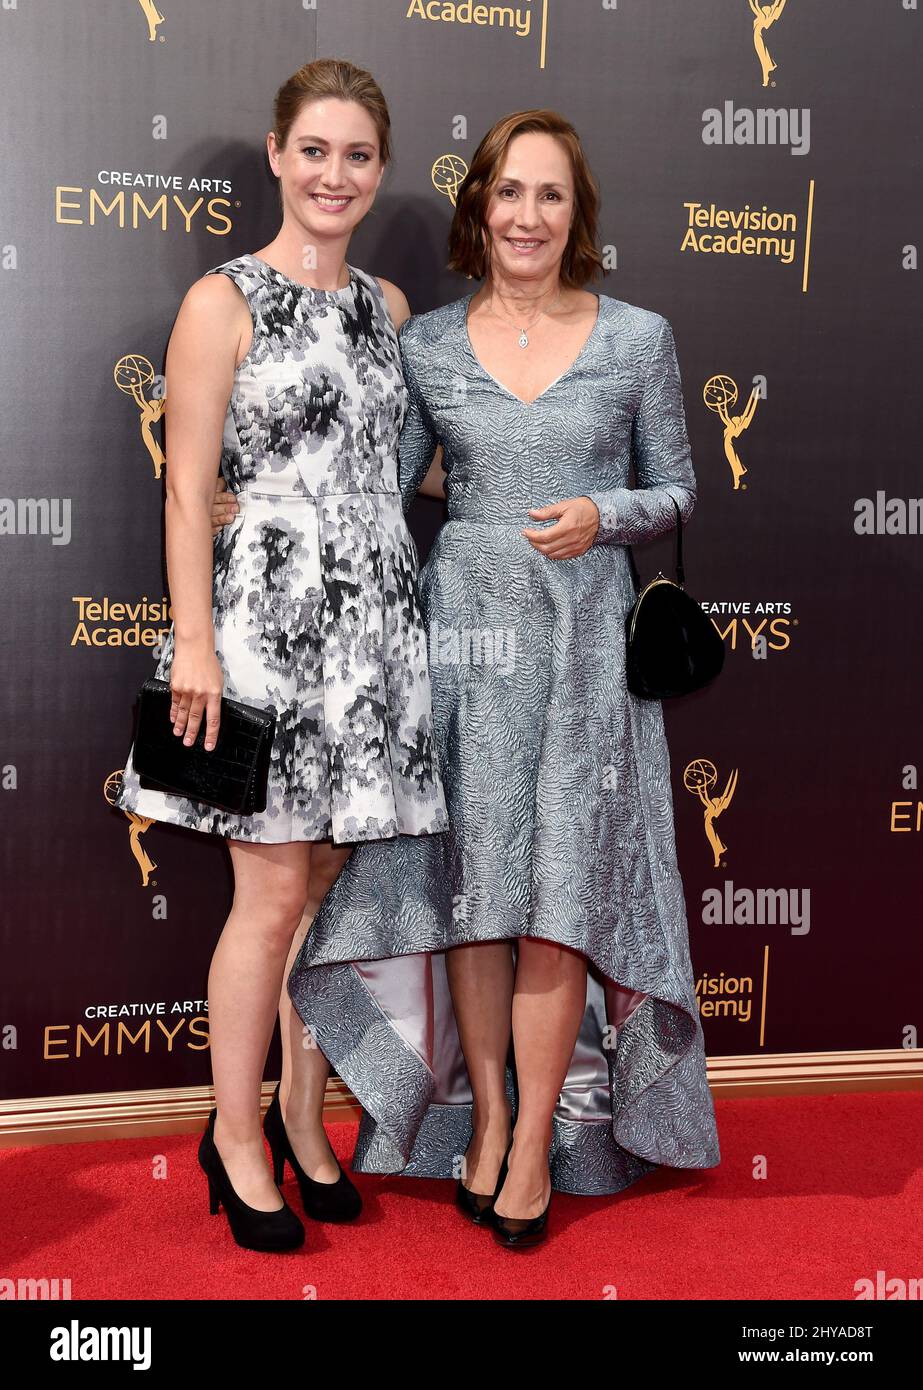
(574, 532)
(224, 506)
(196, 682)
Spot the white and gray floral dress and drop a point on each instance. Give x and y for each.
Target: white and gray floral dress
(315, 603)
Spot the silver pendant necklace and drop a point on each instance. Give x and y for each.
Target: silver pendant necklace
(523, 335)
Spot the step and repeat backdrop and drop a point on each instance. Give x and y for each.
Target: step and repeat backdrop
(761, 174)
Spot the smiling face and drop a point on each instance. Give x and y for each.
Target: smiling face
(530, 211)
(330, 168)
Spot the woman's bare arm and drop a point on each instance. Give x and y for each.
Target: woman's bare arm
(200, 365)
(396, 299)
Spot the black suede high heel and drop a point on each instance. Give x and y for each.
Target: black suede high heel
(478, 1206)
(323, 1201)
(251, 1228)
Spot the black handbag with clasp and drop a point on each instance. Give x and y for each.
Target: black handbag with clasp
(671, 645)
(233, 776)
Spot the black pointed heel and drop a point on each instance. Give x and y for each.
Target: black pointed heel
(323, 1201)
(520, 1233)
(478, 1206)
(251, 1228)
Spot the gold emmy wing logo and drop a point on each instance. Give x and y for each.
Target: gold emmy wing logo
(718, 393)
(132, 374)
(153, 17)
(137, 826)
(699, 777)
(448, 175)
(764, 17)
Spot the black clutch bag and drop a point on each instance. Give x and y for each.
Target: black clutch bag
(233, 776)
(671, 645)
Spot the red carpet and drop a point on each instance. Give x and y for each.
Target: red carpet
(842, 1199)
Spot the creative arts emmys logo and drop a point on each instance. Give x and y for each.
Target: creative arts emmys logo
(132, 374)
(154, 19)
(762, 626)
(764, 17)
(720, 393)
(699, 777)
(137, 825)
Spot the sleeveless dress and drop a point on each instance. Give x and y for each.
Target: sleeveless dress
(557, 778)
(315, 601)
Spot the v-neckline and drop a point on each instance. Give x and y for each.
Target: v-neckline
(466, 304)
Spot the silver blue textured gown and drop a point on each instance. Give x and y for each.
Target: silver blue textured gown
(557, 779)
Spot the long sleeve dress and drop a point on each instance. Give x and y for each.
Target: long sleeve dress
(556, 777)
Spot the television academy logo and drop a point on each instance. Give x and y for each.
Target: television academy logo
(749, 231)
(107, 622)
(725, 996)
(521, 20)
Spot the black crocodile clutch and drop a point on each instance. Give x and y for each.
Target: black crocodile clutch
(233, 776)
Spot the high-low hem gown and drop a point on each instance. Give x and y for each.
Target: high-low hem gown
(557, 779)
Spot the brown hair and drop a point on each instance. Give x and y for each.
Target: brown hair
(469, 242)
(332, 77)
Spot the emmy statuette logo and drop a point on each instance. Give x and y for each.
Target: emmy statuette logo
(719, 393)
(132, 373)
(137, 825)
(698, 777)
(153, 17)
(764, 17)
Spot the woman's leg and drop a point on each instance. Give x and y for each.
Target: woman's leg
(304, 1067)
(270, 892)
(549, 1000)
(481, 983)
